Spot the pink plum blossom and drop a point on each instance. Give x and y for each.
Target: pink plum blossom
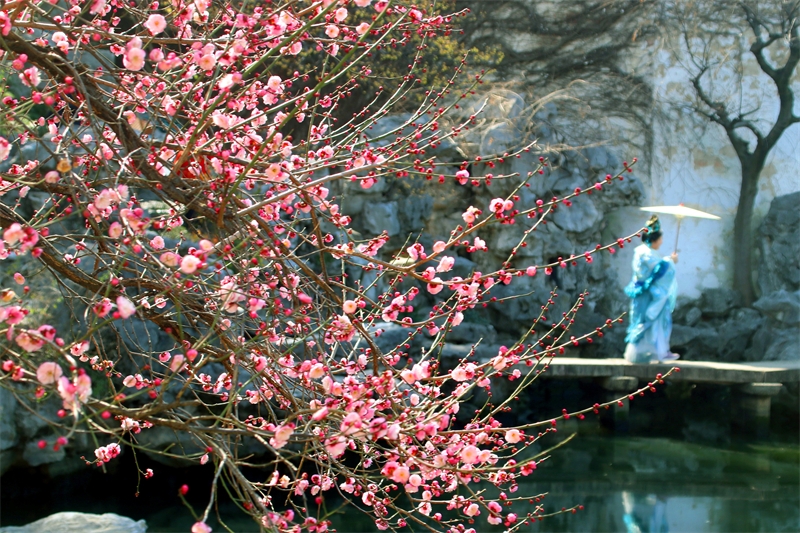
(332, 31)
(157, 242)
(105, 454)
(134, 59)
(115, 230)
(48, 373)
(5, 148)
(189, 264)
(200, 527)
(282, 435)
(472, 510)
(125, 307)
(513, 436)
(156, 24)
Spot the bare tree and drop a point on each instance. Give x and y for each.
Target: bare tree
(582, 48)
(719, 39)
(595, 50)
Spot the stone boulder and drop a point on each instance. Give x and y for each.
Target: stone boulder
(8, 429)
(779, 337)
(771, 344)
(382, 216)
(735, 334)
(391, 335)
(724, 338)
(779, 246)
(80, 523)
(781, 306)
(451, 353)
(695, 343)
(719, 302)
(582, 216)
(470, 333)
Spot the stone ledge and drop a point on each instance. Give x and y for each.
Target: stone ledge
(619, 383)
(761, 389)
(692, 371)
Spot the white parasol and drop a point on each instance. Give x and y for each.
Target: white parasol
(680, 211)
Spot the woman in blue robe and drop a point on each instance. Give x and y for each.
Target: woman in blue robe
(653, 290)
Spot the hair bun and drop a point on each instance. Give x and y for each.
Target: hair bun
(653, 230)
(653, 224)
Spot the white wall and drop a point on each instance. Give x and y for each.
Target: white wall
(696, 165)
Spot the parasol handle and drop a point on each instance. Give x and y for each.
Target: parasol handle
(678, 233)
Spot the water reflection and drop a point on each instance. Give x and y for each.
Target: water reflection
(643, 485)
(644, 515)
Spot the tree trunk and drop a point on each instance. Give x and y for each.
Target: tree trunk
(743, 234)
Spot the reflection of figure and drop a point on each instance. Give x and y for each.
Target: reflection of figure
(644, 515)
(653, 291)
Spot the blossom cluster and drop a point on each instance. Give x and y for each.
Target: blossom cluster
(194, 185)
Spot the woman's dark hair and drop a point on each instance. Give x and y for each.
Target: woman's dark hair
(653, 230)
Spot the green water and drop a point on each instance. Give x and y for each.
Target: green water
(659, 485)
(631, 485)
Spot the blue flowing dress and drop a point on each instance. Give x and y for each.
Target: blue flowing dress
(653, 290)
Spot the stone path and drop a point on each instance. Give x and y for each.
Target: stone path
(756, 383)
(694, 371)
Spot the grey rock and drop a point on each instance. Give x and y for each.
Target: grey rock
(8, 430)
(143, 336)
(683, 336)
(390, 337)
(499, 105)
(414, 211)
(447, 149)
(597, 158)
(586, 321)
(696, 343)
(580, 217)
(781, 306)
(770, 344)
(556, 242)
(452, 353)
(779, 246)
(69, 522)
(381, 216)
(693, 316)
(728, 341)
(463, 267)
(733, 341)
(719, 302)
(500, 138)
(631, 188)
(389, 125)
(470, 332)
(353, 204)
(785, 346)
(747, 319)
(30, 425)
(516, 309)
(35, 456)
(162, 439)
(506, 238)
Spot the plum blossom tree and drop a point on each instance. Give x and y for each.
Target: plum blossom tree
(175, 197)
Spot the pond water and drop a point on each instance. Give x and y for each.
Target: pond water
(626, 484)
